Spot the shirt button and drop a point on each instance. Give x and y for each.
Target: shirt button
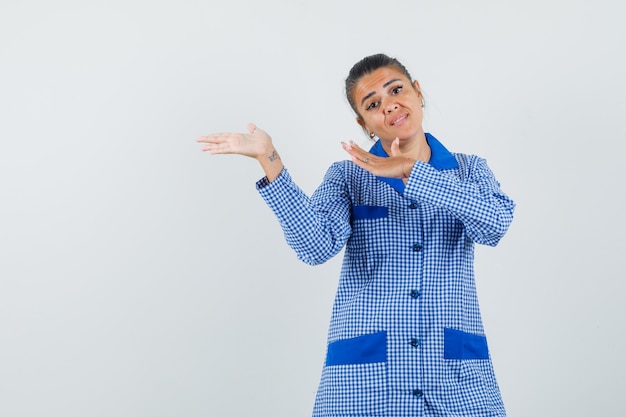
(418, 393)
(415, 342)
(413, 205)
(417, 247)
(415, 293)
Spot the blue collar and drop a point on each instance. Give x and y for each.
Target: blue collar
(440, 158)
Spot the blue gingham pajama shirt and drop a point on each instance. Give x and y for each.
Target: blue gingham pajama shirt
(406, 336)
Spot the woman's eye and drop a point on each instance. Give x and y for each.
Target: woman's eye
(372, 105)
(396, 90)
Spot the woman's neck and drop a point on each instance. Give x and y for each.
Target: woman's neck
(416, 148)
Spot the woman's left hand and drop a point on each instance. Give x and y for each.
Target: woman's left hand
(394, 166)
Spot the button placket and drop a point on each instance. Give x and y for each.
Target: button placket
(415, 294)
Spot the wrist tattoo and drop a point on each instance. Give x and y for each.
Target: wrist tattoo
(273, 156)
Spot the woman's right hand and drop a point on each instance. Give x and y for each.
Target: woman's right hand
(254, 144)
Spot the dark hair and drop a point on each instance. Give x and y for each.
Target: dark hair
(366, 66)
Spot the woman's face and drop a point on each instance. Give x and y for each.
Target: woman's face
(389, 105)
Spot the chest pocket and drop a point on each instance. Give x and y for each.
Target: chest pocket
(369, 212)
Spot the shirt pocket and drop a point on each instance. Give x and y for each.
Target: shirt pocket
(369, 212)
(355, 377)
(458, 344)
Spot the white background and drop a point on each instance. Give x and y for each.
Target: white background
(141, 277)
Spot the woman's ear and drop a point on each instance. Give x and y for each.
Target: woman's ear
(418, 90)
(416, 86)
(361, 123)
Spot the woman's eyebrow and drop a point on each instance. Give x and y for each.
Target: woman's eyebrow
(384, 86)
(390, 82)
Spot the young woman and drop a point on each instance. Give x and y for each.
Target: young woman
(406, 336)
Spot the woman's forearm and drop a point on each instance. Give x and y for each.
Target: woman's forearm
(271, 163)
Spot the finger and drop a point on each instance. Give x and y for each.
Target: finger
(214, 138)
(202, 139)
(368, 166)
(217, 148)
(352, 149)
(355, 150)
(361, 163)
(395, 147)
(359, 156)
(251, 128)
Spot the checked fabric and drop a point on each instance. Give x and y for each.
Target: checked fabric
(406, 336)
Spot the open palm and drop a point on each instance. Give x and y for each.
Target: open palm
(254, 144)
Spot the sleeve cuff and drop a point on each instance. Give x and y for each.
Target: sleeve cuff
(264, 185)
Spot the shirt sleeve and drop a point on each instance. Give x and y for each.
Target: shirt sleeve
(472, 194)
(316, 227)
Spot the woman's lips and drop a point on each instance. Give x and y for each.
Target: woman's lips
(399, 120)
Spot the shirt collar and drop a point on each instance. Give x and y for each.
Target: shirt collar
(440, 158)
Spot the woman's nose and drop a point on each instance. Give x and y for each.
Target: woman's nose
(390, 106)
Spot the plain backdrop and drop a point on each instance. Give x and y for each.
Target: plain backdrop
(142, 277)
